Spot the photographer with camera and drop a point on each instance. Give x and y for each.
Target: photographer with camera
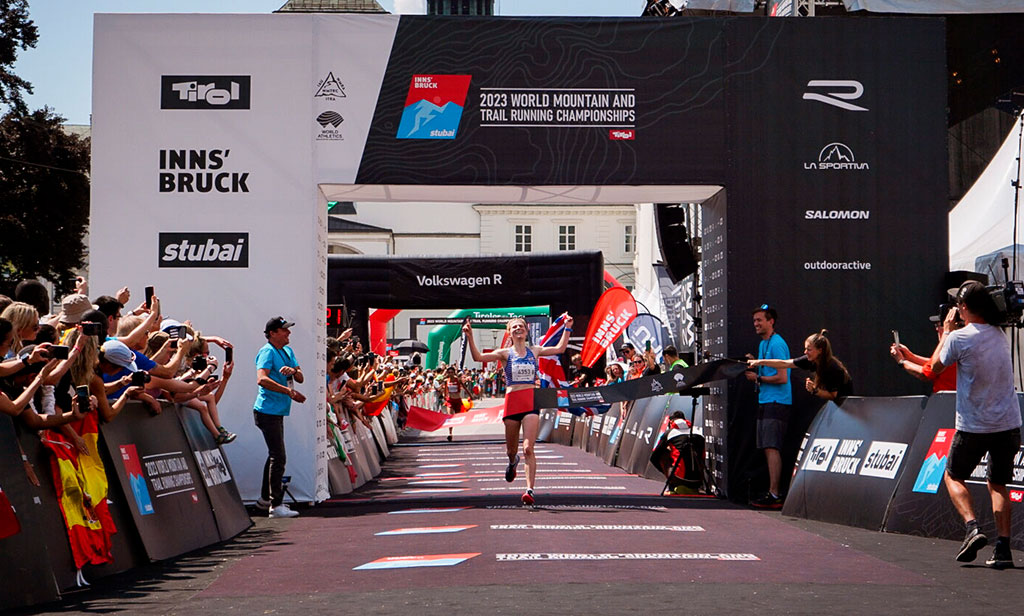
(276, 371)
(988, 416)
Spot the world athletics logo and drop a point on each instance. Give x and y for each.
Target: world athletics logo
(434, 107)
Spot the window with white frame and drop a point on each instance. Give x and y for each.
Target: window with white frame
(567, 237)
(628, 239)
(524, 238)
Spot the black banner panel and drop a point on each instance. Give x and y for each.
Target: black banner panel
(645, 436)
(855, 453)
(570, 281)
(219, 481)
(550, 101)
(605, 448)
(157, 470)
(25, 568)
(562, 429)
(836, 190)
(921, 505)
(547, 424)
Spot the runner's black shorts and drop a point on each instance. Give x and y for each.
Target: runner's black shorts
(969, 448)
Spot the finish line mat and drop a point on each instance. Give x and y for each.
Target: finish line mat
(585, 545)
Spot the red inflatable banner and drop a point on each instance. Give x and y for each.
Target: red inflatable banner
(615, 309)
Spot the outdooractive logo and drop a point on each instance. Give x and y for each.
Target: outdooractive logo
(835, 92)
(433, 107)
(205, 91)
(204, 250)
(836, 157)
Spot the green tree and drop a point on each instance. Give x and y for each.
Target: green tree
(16, 31)
(44, 199)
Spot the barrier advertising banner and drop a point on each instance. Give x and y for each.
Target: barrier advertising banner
(218, 479)
(921, 504)
(157, 470)
(27, 576)
(859, 449)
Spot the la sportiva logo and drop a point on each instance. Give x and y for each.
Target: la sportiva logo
(434, 107)
(205, 91)
(204, 250)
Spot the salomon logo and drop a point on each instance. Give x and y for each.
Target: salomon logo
(839, 91)
(205, 92)
(204, 250)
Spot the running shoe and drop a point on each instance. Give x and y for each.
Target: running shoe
(449, 438)
(528, 498)
(974, 541)
(510, 471)
(283, 511)
(1001, 557)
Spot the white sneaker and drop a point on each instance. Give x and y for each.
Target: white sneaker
(283, 511)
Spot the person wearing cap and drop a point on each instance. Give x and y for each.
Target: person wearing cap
(276, 371)
(774, 401)
(72, 308)
(988, 417)
(921, 368)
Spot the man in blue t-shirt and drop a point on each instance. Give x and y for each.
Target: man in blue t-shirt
(774, 401)
(276, 371)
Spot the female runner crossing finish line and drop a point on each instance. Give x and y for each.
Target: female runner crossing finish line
(520, 377)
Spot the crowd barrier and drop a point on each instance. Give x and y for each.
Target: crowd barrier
(364, 449)
(169, 489)
(878, 463)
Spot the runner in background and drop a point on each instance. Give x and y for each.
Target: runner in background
(520, 377)
(453, 388)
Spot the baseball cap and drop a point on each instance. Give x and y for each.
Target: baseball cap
(277, 323)
(73, 308)
(117, 353)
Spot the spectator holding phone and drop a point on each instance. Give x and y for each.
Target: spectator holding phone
(277, 370)
(922, 368)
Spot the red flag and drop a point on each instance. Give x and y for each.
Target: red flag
(614, 311)
(426, 420)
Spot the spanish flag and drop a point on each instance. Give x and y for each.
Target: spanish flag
(81, 485)
(377, 404)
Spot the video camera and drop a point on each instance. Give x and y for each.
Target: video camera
(1009, 299)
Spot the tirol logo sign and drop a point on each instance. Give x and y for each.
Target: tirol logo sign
(434, 107)
(205, 91)
(820, 454)
(929, 478)
(204, 250)
(837, 157)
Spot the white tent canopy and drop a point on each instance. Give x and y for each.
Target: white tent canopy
(935, 6)
(983, 220)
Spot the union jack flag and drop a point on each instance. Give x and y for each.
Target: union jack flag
(552, 374)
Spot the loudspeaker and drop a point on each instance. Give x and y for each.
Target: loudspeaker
(953, 280)
(676, 250)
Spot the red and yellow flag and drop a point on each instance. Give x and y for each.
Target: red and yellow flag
(81, 484)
